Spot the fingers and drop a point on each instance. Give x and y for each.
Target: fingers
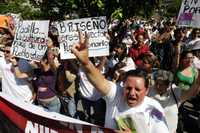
(86, 40)
(81, 37)
(74, 49)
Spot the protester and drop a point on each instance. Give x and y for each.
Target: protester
(137, 50)
(119, 62)
(92, 102)
(44, 81)
(172, 51)
(18, 88)
(150, 63)
(186, 74)
(170, 96)
(130, 100)
(67, 86)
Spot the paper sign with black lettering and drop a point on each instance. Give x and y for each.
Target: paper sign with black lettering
(30, 40)
(96, 27)
(189, 14)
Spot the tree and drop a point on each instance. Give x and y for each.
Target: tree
(20, 6)
(62, 9)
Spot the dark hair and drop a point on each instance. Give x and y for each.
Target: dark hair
(184, 54)
(194, 32)
(120, 45)
(138, 72)
(54, 39)
(151, 59)
(8, 44)
(177, 31)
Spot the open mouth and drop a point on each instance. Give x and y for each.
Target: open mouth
(131, 99)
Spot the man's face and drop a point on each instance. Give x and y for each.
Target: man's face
(134, 91)
(118, 50)
(7, 53)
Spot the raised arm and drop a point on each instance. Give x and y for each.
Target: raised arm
(17, 72)
(80, 50)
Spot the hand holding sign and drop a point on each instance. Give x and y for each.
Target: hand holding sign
(80, 50)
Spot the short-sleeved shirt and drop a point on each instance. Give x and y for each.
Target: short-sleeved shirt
(11, 85)
(169, 104)
(116, 106)
(46, 83)
(137, 52)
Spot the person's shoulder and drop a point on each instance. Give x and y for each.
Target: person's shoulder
(150, 102)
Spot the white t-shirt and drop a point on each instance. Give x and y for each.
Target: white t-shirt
(12, 86)
(87, 90)
(116, 106)
(169, 104)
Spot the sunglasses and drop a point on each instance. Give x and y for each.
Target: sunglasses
(7, 51)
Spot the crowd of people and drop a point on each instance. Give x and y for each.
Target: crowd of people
(153, 67)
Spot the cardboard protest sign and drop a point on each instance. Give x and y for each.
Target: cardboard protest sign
(189, 14)
(30, 40)
(96, 27)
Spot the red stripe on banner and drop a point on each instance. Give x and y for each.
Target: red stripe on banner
(15, 117)
(28, 122)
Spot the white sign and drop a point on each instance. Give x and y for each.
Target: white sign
(30, 40)
(189, 14)
(95, 27)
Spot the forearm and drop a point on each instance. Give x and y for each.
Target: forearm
(96, 78)
(193, 91)
(19, 74)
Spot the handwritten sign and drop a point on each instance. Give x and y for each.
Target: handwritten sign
(96, 27)
(30, 40)
(189, 14)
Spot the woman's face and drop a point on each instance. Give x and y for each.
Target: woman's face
(140, 39)
(146, 65)
(188, 60)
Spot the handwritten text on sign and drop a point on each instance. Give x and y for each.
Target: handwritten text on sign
(95, 27)
(189, 14)
(30, 40)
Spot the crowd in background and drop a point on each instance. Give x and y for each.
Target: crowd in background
(168, 53)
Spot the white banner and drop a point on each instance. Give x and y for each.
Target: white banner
(29, 118)
(189, 14)
(30, 40)
(96, 27)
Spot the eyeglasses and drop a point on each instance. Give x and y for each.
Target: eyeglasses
(7, 51)
(188, 58)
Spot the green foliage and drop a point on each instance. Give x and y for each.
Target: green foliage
(60, 9)
(171, 9)
(117, 14)
(19, 6)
